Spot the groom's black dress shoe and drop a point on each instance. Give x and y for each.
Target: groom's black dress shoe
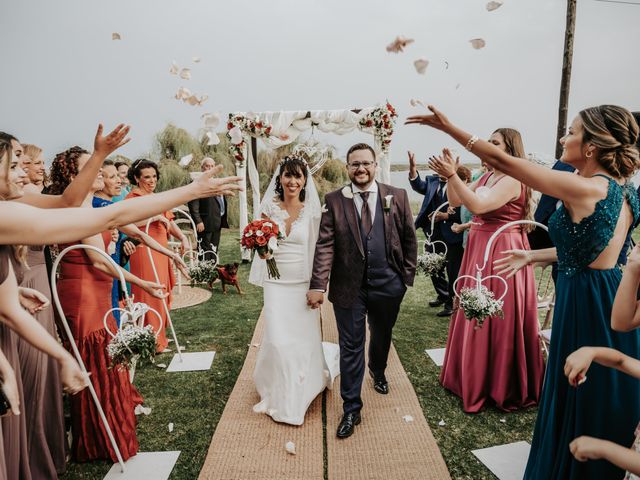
(380, 384)
(436, 303)
(347, 424)
(447, 311)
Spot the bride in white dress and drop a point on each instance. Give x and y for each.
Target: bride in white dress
(293, 364)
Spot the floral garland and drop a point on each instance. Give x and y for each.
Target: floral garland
(382, 121)
(237, 126)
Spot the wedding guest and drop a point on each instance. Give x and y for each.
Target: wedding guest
(35, 170)
(126, 234)
(501, 362)
(210, 216)
(125, 186)
(588, 230)
(144, 176)
(433, 187)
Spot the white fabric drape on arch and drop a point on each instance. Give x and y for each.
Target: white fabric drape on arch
(286, 127)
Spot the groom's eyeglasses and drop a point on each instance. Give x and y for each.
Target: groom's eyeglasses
(357, 165)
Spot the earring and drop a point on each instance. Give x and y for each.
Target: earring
(589, 154)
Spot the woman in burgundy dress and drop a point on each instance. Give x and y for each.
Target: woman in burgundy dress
(501, 362)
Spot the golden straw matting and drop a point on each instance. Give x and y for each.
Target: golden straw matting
(251, 446)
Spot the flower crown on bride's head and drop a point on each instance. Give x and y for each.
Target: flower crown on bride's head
(293, 158)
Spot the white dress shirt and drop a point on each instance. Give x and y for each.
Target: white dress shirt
(372, 201)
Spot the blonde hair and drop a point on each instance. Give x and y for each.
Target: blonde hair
(515, 147)
(614, 131)
(6, 151)
(32, 150)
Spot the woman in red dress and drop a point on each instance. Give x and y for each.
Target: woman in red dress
(144, 176)
(84, 287)
(501, 362)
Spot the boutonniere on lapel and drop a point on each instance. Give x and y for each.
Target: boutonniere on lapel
(324, 209)
(388, 201)
(347, 192)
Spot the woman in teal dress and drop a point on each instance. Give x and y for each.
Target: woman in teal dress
(589, 229)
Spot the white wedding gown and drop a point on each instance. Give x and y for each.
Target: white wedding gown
(293, 364)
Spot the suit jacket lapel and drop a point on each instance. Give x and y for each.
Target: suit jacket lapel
(383, 191)
(349, 207)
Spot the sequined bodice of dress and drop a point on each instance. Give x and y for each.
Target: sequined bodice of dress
(579, 244)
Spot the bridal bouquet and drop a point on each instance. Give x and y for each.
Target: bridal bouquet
(478, 303)
(130, 344)
(431, 263)
(262, 236)
(204, 271)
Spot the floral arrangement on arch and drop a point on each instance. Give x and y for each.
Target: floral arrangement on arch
(237, 126)
(382, 121)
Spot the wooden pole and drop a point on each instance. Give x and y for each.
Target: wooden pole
(565, 83)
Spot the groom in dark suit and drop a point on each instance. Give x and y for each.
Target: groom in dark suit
(210, 215)
(366, 252)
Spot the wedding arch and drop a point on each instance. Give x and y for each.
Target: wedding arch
(277, 129)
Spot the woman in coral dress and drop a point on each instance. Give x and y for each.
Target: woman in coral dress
(501, 362)
(144, 175)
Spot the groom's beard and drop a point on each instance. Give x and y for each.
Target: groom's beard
(362, 181)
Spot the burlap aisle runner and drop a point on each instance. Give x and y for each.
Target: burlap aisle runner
(384, 446)
(189, 296)
(251, 446)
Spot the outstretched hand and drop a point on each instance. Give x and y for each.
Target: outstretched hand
(208, 186)
(117, 138)
(437, 120)
(513, 262)
(577, 364)
(444, 165)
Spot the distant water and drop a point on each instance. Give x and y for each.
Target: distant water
(401, 180)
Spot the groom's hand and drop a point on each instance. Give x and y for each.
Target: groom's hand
(315, 298)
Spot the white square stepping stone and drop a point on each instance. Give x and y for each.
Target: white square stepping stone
(507, 462)
(437, 355)
(156, 465)
(191, 362)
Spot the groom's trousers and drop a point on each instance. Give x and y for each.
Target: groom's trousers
(381, 306)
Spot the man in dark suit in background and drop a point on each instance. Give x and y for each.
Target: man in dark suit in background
(209, 214)
(434, 190)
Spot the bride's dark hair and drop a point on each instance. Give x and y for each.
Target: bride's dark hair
(296, 167)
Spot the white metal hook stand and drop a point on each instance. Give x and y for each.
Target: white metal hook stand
(164, 300)
(192, 361)
(478, 278)
(72, 342)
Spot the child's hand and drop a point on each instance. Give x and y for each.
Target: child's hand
(577, 364)
(587, 448)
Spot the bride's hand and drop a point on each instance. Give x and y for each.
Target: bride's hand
(513, 262)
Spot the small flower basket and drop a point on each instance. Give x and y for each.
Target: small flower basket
(262, 236)
(430, 263)
(204, 271)
(131, 344)
(479, 303)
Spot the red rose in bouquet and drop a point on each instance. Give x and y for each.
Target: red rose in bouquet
(262, 236)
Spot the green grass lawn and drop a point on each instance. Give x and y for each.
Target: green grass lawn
(194, 401)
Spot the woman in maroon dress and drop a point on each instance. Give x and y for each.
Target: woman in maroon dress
(501, 362)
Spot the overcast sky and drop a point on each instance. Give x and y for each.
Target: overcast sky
(62, 73)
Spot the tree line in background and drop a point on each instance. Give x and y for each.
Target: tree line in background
(173, 143)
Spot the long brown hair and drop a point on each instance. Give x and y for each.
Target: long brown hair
(515, 147)
(6, 152)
